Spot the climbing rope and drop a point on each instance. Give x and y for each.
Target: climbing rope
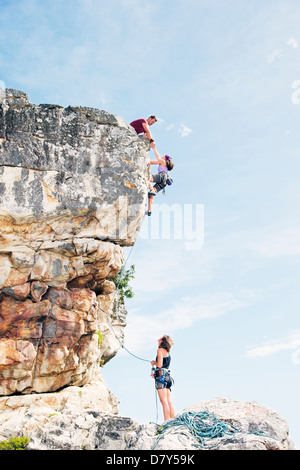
(113, 298)
(122, 344)
(203, 426)
(112, 328)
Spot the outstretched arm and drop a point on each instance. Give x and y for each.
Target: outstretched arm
(147, 131)
(158, 157)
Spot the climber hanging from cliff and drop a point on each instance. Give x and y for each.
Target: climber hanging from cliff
(162, 178)
(141, 126)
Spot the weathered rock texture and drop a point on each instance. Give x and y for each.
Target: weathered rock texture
(60, 420)
(246, 417)
(73, 185)
(74, 419)
(57, 341)
(68, 172)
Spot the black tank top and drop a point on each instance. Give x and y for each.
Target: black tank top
(166, 362)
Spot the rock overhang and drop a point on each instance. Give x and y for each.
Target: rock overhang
(68, 165)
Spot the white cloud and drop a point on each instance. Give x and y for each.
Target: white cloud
(272, 347)
(183, 130)
(274, 55)
(143, 330)
(160, 121)
(292, 42)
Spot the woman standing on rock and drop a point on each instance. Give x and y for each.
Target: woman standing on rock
(161, 374)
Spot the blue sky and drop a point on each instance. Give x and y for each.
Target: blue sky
(223, 77)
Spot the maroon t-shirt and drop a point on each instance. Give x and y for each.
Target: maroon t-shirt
(138, 125)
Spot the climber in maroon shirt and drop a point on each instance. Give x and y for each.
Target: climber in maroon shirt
(141, 126)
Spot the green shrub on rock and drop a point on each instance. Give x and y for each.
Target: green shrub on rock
(14, 443)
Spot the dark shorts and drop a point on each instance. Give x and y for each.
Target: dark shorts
(159, 385)
(166, 383)
(160, 181)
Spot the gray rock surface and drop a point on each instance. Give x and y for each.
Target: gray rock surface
(66, 172)
(84, 418)
(246, 417)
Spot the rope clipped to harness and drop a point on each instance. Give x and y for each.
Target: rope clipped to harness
(162, 375)
(203, 426)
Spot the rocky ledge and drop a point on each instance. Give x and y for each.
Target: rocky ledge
(73, 420)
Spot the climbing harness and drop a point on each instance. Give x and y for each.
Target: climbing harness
(161, 180)
(204, 426)
(164, 377)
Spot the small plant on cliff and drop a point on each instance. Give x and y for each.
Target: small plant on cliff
(122, 280)
(15, 443)
(100, 338)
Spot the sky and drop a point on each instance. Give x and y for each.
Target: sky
(223, 78)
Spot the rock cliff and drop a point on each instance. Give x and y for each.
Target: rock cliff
(73, 186)
(68, 172)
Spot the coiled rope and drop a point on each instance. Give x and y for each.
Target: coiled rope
(203, 426)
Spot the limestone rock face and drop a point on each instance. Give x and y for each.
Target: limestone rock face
(68, 172)
(64, 411)
(49, 343)
(73, 185)
(85, 418)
